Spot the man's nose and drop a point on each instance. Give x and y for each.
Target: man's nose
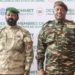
(59, 11)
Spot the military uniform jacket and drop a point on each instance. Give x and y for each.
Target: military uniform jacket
(56, 41)
(16, 52)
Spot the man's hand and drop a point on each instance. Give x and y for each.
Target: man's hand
(41, 72)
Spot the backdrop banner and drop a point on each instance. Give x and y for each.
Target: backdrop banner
(33, 14)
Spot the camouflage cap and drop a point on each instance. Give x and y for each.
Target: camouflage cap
(12, 10)
(60, 3)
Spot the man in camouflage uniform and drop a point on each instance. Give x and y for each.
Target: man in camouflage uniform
(56, 42)
(16, 53)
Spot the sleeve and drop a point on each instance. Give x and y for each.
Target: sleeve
(28, 51)
(41, 46)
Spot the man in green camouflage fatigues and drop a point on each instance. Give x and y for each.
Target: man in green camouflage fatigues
(16, 53)
(56, 43)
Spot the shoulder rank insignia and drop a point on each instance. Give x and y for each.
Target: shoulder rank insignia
(70, 26)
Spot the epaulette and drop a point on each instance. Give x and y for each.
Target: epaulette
(70, 24)
(47, 23)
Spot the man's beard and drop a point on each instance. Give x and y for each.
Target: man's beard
(11, 22)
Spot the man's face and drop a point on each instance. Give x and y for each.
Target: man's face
(11, 18)
(59, 13)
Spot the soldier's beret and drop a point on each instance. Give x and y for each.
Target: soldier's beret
(12, 10)
(60, 3)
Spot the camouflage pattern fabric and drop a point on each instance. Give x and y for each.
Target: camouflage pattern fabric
(16, 53)
(56, 42)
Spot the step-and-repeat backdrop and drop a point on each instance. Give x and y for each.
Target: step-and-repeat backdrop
(33, 14)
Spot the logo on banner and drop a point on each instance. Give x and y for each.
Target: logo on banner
(39, 11)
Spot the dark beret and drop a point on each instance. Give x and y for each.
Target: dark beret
(60, 3)
(12, 10)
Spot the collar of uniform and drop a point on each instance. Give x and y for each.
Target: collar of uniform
(57, 22)
(12, 27)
